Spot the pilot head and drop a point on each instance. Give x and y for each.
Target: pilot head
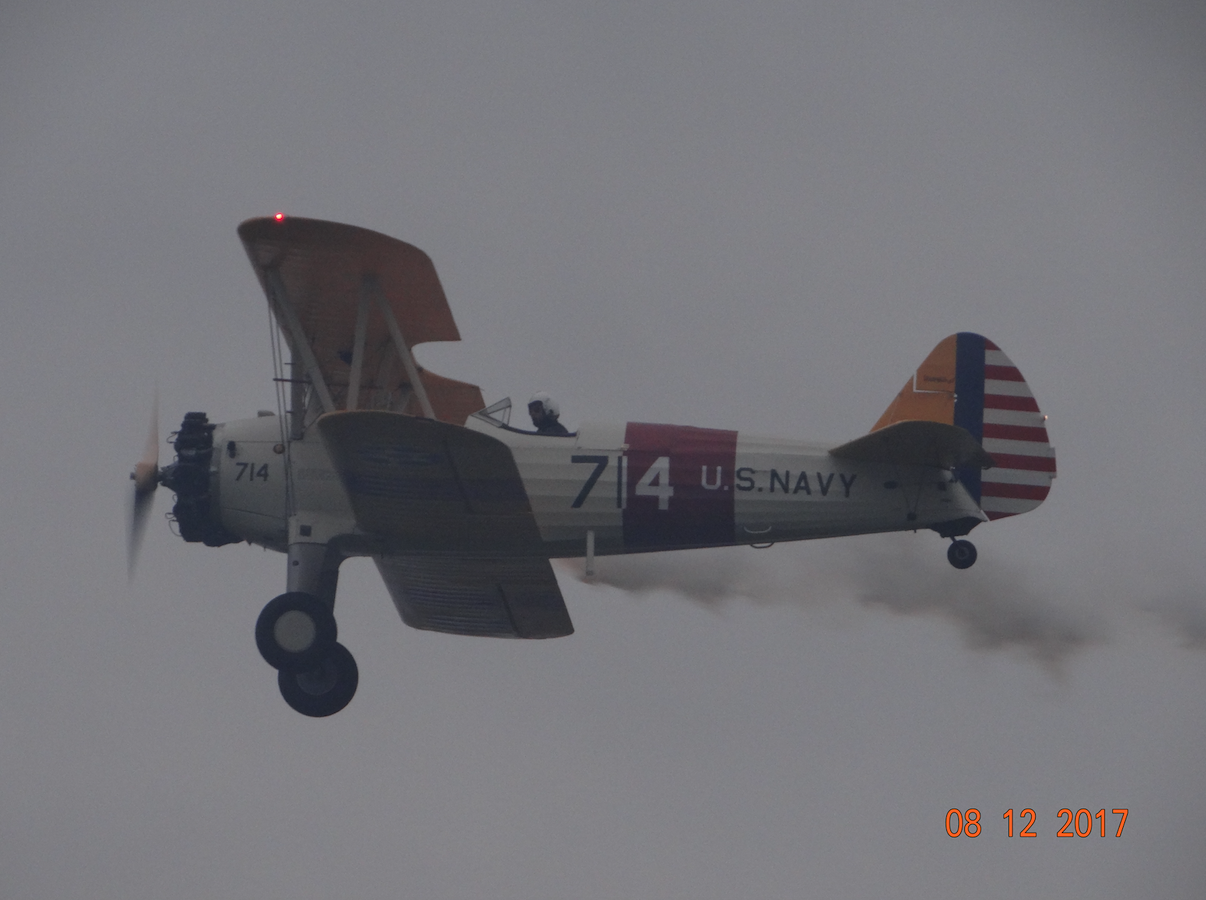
(543, 409)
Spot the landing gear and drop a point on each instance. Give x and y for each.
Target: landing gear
(961, 554)
(324, 689)
(295, 631)
(296, 635)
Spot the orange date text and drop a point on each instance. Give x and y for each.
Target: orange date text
(1082, 823)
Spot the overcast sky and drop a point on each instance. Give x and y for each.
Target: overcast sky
(757, 215)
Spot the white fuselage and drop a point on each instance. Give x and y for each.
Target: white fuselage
(667, 487)
(634, 487)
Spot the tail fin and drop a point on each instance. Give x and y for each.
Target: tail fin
(967, 381)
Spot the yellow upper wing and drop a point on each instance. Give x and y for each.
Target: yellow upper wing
(327, 283)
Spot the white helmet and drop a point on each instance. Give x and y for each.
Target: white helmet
(547, 403)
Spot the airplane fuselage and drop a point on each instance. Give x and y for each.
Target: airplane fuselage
(642, 487)
(634, 487)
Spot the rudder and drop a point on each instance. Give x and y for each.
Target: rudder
(968, 381)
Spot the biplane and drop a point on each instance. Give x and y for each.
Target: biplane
(370, 454)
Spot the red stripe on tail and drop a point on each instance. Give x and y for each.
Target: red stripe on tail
(1002, 373)
(1015, 491)
(1029, 463)
(1002, 401)
(1016, 432)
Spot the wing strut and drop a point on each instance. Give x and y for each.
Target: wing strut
(362, 314)
(395, 332)
(284, 310)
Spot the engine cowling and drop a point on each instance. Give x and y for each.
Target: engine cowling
(189, 477)
(229, 480)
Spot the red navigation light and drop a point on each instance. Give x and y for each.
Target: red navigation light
(280, 217)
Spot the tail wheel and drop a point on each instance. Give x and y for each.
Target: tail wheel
(961, 554)
(324, 689)
(295, 631)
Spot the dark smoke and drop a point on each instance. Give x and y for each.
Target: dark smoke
(995, 605)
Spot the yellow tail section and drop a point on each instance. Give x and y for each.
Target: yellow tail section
(929, 396)
(967, 381)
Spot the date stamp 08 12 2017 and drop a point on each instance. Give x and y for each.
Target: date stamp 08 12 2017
(967, 823)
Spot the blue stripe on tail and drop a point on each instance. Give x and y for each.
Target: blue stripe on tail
(969, 399)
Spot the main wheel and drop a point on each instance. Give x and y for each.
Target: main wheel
(325, 689)
(294, 631)
(961, 554)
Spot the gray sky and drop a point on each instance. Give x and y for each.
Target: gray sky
(757, 216)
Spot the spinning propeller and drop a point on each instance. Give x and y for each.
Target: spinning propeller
(146, 478)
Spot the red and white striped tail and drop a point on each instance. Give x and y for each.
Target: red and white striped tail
(1015, 436)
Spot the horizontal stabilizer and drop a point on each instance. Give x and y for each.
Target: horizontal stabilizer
(917, 443)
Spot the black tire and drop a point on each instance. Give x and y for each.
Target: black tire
(295, 631)
(961, 554)
(325, 689)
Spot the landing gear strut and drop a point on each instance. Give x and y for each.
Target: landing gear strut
(961, 554)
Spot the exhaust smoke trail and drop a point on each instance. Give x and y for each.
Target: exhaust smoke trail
(1185, 613)
(994, 606)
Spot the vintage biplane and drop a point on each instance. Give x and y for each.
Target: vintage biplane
(369, 454)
